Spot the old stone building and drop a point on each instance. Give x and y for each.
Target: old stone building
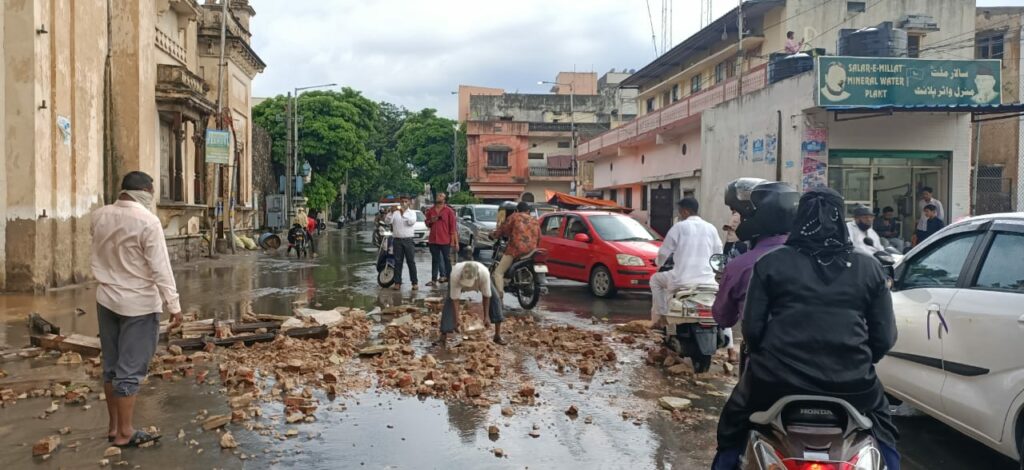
(93, 89)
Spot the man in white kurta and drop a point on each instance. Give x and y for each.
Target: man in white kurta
(690, 242)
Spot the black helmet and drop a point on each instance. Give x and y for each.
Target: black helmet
(508, 206)
(765, 207)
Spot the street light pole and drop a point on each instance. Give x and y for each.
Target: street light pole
(293, 156)
(572, 131)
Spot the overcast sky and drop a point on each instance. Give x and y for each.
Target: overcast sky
(415, 52)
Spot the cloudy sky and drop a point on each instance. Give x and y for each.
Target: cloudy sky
(415, 52)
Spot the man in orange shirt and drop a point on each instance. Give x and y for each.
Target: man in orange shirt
(523, 232)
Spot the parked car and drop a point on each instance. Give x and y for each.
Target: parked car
(420, 231)
(476, 222)
(540, 208)
(609, 251)
(959, 357)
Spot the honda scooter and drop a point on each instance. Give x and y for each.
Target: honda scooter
(811, 432)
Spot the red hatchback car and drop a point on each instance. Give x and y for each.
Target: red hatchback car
(607, 250)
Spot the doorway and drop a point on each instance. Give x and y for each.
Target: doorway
(661, 209)
(880, 179)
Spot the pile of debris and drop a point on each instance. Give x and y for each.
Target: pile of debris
(296, 366)
(475, 367)
(566, 347)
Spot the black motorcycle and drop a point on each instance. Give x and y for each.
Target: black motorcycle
(526, 277)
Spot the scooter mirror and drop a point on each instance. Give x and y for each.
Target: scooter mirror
(717, 263)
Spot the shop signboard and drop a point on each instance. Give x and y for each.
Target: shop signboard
(218, 146)
(885, 81)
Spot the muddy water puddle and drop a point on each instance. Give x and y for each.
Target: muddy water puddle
(374, 428)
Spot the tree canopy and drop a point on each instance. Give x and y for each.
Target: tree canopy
(382, 149)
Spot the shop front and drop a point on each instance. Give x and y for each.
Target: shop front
(882, 179)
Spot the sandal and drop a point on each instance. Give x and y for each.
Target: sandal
(499, 341)
(139, 438)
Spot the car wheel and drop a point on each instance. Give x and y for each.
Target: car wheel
(601, 282)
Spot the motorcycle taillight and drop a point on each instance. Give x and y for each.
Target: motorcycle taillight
(804, 465)
(540, 256)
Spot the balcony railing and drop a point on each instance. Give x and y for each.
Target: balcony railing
(169, 45)
(550, 172)
(693, 105)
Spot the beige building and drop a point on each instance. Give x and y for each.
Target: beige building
(1000, 171)
(92, 89)
(709, 113)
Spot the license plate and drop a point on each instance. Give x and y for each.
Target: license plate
(540, 268)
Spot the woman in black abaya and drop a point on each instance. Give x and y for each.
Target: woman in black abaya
(818, 318)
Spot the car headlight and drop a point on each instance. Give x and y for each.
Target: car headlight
(629, 260)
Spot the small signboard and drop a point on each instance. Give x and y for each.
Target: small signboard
(883, 81)
(218, 147)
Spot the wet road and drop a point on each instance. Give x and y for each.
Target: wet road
(380, 429)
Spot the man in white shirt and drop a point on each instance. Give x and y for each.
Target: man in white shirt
(690, 242)
(402, 219)
(129, 259)
(471, 276)
(862, 234)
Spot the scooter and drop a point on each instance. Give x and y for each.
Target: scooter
(527, 276)
(811, 432)
(378, 233)
(690, 329)
(386, 260)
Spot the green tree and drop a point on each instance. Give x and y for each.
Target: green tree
(425, 141)
(463, 197)
(320, 193)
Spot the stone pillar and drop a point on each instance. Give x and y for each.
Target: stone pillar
(135, 121)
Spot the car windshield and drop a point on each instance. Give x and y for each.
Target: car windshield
(486, 214)
(420, 217)
(619, 228)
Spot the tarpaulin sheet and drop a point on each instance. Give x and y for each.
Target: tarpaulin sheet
(574, 202)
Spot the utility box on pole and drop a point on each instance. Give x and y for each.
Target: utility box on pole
(276, 212)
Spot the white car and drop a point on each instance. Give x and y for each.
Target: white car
(959, 304)
(420, 230)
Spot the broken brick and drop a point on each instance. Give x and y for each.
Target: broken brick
(45, 445)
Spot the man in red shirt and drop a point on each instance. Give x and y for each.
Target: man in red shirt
(310, 230)
(443, 238)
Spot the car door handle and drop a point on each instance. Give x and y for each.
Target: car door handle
(934, 310)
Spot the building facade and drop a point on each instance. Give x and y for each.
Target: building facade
(707, 109)
(100, 108)
(1000, 169)
(521, 145)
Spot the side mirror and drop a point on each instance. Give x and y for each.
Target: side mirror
(467, 218)
(718, 262)
(582, 238)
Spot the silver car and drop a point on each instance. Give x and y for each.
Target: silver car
(476, 222)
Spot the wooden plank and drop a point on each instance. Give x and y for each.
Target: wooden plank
(316, 332)
(81, 344)
(253, 326)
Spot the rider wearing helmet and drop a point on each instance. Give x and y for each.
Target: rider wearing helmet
(766, 209)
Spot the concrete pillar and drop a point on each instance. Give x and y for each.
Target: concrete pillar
(135, 120)
(51, 180)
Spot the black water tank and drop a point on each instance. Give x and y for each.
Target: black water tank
(883, 40)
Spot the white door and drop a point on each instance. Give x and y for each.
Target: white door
(927, 283)
(983, 351)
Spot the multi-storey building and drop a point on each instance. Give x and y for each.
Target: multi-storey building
(710, 113)
(521, 145)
